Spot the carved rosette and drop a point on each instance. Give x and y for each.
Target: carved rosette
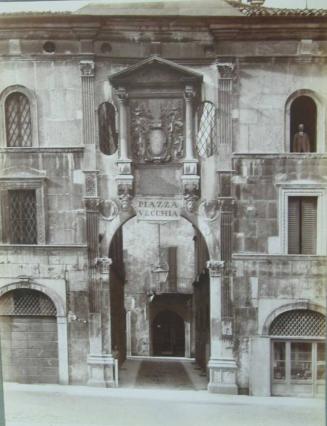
(87, 68)
(226, 70)
(216, 267)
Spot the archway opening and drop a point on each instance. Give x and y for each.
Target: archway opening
(168, 334)
(152, 317)
(303, 112)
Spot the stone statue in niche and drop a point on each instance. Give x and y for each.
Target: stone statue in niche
(301, 141)
(157, 130)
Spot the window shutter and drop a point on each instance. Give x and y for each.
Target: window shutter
(294, 208)
(309, 225)
(172, 262)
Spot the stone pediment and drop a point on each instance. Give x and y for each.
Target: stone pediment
(155, 71)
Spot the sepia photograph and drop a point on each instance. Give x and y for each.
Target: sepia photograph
(163, 212)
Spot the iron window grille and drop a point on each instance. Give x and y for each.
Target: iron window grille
(108, 140)
(26, 302)
(18, 120)
(22, 216)
(206, 139)
(299, 322)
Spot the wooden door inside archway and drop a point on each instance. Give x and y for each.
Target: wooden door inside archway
(29, 338)
(168, 334)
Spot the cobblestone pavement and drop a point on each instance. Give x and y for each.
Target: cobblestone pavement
(55, 405)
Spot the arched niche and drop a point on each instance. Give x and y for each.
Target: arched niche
(305, 107)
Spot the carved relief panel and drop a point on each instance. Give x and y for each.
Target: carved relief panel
(157, 129)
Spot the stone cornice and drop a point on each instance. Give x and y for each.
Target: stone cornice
(263, 257)
(288, 155)
(76, 27)
(44, 149)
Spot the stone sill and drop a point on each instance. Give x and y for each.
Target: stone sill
(279, 257)
(277, 155)
(43, 149)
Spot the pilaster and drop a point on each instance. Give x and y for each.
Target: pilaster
(227, 74)
(222, 365)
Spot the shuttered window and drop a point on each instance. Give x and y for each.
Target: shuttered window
(302, 225)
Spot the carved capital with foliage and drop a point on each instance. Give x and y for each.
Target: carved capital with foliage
(226, 70)
(215, 267)
(87, 68)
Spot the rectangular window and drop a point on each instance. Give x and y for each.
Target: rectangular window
(22, 217)
(301, 361)
(279, 361)
(302, 225)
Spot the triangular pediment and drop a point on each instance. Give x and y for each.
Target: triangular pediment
(155, 70)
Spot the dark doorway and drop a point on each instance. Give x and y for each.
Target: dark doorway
(304, 111)
(168, 334)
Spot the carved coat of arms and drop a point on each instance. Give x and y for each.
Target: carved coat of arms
(157, 134)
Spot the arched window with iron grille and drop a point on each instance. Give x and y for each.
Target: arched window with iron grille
(107, 128)
(206, 138)
(18, 120)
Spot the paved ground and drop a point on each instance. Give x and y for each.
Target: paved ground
(55, 405)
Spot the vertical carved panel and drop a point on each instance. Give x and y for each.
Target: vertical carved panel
(92, 233)
(226, 72)
(87, 76)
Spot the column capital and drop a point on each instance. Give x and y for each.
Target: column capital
(87, 68)
(122, 94)
(215, 267)
(226, 70)
(91, 204)
(103, 263)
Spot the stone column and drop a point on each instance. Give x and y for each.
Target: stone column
(100, 360)
(222, 366)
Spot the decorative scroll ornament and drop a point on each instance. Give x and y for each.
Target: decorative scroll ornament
(191, 196)
(125, 195)
(210, 209)
(157, 139)
(108, 209)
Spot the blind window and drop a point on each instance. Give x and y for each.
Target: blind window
(302, 225)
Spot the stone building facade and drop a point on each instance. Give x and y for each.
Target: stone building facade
(158, 197)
